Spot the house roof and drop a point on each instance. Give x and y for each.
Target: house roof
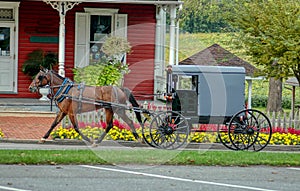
(129, 1)
(215, 55)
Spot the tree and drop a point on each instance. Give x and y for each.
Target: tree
(269, 31)
(205, 16)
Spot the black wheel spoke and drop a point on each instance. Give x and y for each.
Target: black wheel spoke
(249, 125)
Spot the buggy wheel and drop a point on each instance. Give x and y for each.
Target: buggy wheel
(223, 136)
(169, 130)
(146, 129)
(250, 129)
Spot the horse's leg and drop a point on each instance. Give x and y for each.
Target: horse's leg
(74, 122)
(57, 120)
(121, 113)
(109, 124)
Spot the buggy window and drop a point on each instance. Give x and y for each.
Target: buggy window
(185, 82)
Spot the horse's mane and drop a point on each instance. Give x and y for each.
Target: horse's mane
(56, 74)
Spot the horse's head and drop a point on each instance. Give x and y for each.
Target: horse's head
(42, 79)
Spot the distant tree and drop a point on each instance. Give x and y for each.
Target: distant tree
(205, 16)
(270, 34)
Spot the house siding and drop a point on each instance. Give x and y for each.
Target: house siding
(38, 19)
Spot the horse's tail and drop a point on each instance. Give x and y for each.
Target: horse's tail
(133, 102)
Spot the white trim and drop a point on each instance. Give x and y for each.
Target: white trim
(153, 2)
(101, 11)
(9, 4)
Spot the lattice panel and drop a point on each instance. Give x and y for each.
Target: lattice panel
(6, 14)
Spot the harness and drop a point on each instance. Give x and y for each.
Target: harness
(64, 89)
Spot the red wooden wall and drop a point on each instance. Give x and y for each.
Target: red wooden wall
(40, 19)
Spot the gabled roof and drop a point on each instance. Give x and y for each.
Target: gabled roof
(215, 55)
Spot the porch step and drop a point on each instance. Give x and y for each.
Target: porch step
(26, 104)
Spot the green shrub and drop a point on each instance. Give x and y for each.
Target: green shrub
(101, 74)
(259, 100)
(109, 70)
(262, 101)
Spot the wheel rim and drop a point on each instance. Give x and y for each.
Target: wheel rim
(223, 136)
(250, 130)
(146, 131)
(169, 130)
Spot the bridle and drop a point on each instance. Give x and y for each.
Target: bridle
(49, 82)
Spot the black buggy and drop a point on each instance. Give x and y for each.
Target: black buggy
(207, 95)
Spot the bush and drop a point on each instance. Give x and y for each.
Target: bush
(110, 69)
(262, 101)
(101, 74)
(259, 101)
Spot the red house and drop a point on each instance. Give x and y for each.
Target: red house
(74, 29)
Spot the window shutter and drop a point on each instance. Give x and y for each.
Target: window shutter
(121, 28)
(121, 25)
(81, 40)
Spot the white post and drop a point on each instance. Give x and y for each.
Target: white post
(172, 34)
(62, 39)
(158, 48)
(158, 43)
(249, 94)
(177, 35)
(62, 7)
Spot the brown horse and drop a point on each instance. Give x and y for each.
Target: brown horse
(72, 99)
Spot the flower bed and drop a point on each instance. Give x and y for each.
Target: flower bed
(122, 131)
(1, 134)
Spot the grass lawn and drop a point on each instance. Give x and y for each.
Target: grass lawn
(148, 157)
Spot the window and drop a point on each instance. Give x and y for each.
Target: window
(100, 28)
(186, 82)
(92, 29)
(5, 41)
(6, 14)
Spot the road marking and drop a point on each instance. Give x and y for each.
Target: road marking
(13, 189)
(176, 178)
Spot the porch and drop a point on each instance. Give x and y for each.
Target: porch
(26, 104)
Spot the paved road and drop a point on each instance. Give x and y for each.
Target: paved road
(144, 178)
(134, 178)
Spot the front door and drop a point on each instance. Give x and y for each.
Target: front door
(7, 67)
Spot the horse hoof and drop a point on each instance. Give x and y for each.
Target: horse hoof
(42, 141)
(140, 140)
(94, 145)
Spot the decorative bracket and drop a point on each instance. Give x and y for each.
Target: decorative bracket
(62, 6)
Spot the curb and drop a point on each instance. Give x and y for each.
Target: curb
(111, 143)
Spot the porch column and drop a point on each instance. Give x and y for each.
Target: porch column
(172, 34)
(62, 7)
(177, 34)
(158, 43)
(158, 49)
